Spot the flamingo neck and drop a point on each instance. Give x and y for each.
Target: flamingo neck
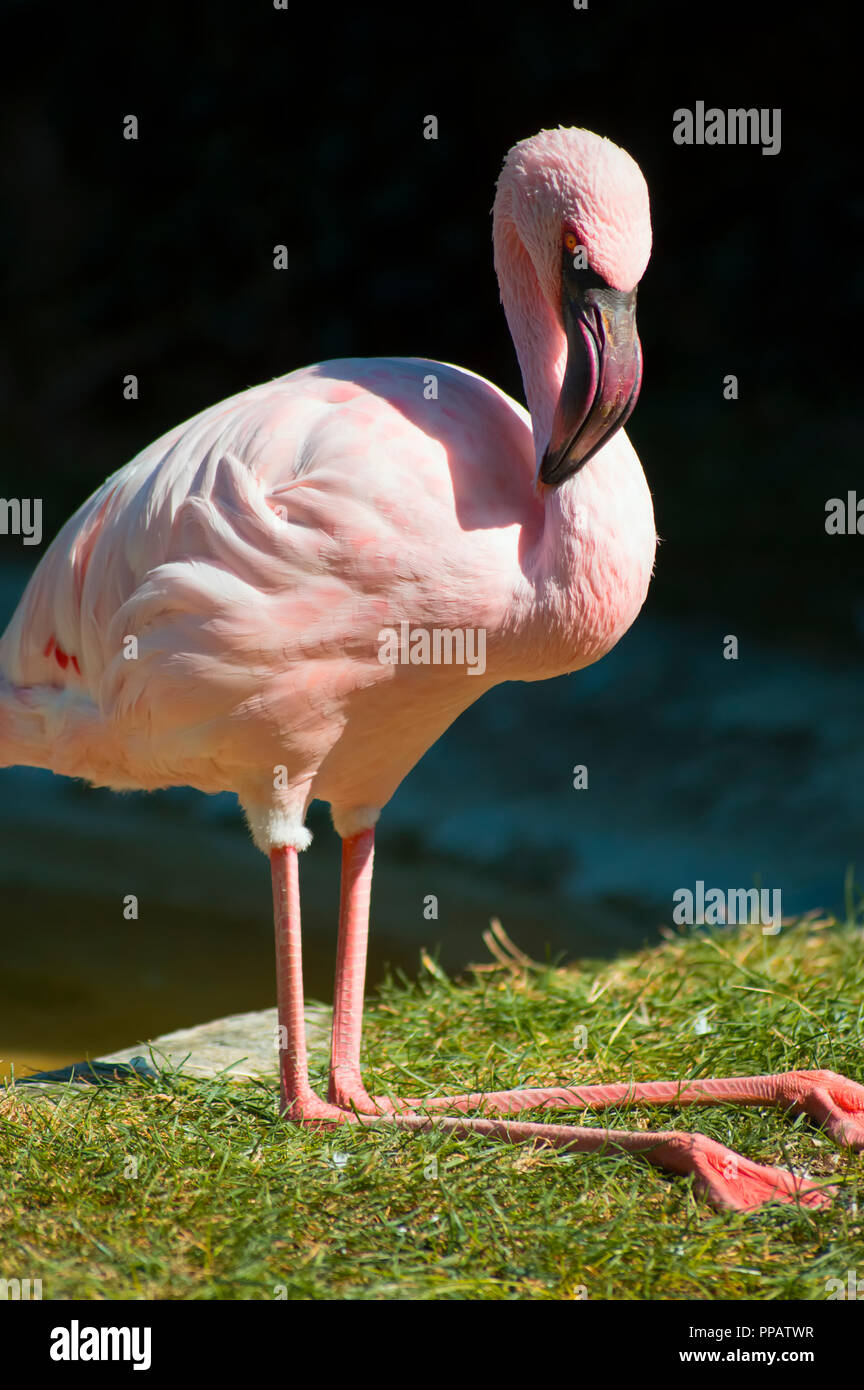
(538, 337)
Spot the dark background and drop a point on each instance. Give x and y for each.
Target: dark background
(305, 127)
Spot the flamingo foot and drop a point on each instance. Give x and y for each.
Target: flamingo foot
(732, 1183)
(833, 1101)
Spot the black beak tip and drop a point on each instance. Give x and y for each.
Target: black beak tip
(560, 464)
(551, 471)
(547, 468)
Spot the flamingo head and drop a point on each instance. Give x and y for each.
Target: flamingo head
(573, 207)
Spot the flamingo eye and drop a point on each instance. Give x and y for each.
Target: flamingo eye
(571, 241)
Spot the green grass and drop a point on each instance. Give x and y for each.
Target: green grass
(230, 1203)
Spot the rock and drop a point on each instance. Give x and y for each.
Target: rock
(241, 1045)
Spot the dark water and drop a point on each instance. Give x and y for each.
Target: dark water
(732, 772)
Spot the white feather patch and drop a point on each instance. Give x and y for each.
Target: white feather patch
(273, 827)
(350, 822)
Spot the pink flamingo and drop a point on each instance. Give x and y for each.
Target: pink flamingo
(214, 616)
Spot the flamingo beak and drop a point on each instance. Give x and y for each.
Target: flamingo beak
(603, 373)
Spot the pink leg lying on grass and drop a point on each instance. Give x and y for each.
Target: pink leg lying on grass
(834, 1101)
(724, 1177)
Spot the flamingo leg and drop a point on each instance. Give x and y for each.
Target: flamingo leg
(835, 1102)
(728, 1180)
(298, 1100)
(346, 1083)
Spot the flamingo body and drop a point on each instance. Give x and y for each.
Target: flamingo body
(255, 554)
